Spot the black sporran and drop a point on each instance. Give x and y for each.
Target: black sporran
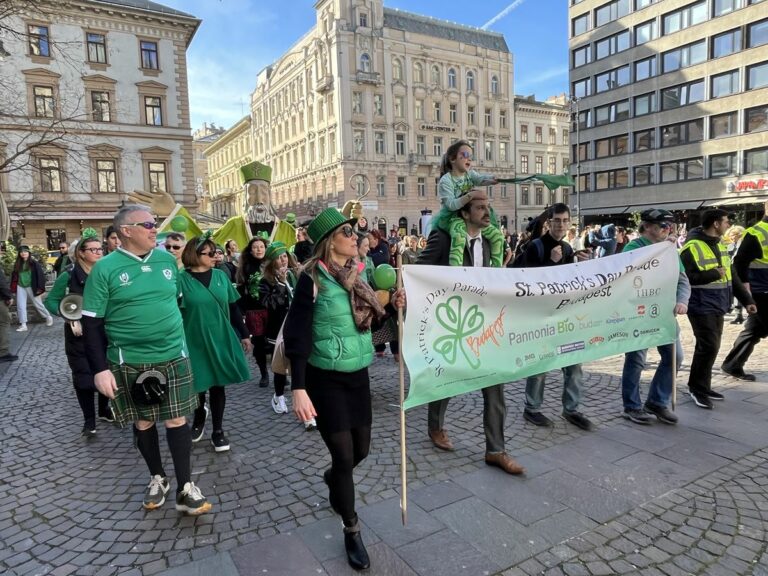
(150, 388)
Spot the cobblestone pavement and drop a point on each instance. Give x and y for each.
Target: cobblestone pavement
(683, 500)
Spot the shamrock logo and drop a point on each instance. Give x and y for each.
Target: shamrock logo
(459, 326)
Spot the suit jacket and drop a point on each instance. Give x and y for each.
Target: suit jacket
(438, 248)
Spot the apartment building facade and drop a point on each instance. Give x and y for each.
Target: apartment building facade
(542, 143)
(94, 105)
(382, 93)
(670, 100)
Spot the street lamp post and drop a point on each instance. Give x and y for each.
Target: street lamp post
(574, 101)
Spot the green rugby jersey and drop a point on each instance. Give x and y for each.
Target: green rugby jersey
(138, 300)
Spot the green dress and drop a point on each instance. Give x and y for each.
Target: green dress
(214, 349)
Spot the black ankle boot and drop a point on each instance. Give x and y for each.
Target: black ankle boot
(357, 555)
(264, 381)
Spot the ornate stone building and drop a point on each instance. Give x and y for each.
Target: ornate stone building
(375, 91)
(201, 139)
(232, 149)
(542, 138)
(94, 95)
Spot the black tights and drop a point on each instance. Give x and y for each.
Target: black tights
(348, 448)
(217, 401)
(260, 352)
(88, 406)
(279, 381)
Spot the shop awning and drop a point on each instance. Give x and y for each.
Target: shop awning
(736, 201)
(605, 210)
(692, 205)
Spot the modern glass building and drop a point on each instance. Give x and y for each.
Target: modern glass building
(670, 105)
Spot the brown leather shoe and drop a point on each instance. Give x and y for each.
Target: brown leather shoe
(440, 439)
(505, 462)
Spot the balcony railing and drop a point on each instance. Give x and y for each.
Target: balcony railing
(368, 77)
(324, 83)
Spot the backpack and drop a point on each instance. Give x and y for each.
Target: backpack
(520, 258)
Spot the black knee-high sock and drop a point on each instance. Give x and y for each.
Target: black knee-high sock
(149, 447)
(260, 353)
(180, 445)
(199, 416)
(85, 399)
(218, 401)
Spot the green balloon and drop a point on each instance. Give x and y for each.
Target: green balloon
(384, 277)
(179, 224)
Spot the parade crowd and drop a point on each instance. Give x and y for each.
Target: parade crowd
(161, 329)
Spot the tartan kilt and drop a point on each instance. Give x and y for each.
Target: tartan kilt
(180, 399)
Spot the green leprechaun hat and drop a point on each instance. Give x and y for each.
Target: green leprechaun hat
(275, 250)
(255, 171)
(325, 223)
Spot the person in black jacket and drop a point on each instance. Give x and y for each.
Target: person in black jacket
(248, 277)
(477, 252)
(713, 285)
(6, 299)
(378, 248)
(551, 250)
(72, 280)
(303, 247)
(750, 265)
(62, 262)
(28, 280)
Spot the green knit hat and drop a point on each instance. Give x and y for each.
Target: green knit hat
(325, 223)
(275, 250)
(255, 171)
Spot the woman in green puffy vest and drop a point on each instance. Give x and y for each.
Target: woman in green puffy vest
(327, 336)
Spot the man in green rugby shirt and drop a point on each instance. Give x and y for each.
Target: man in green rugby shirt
(134, 337)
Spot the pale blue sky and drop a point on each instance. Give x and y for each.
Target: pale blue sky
(240, 37)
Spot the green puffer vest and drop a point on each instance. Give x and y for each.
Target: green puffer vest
(337, 344)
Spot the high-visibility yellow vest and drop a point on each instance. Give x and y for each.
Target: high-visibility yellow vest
(706, 259)
(760, 232)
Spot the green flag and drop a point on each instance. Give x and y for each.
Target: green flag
(551, 181)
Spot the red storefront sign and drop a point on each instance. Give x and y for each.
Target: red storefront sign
(746, 185)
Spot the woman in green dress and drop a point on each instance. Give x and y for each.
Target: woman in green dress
(216, 334)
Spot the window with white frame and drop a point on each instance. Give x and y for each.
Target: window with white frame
(437, 146)
(451, 78)
(400, 144)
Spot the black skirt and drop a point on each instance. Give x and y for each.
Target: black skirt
(342, 400)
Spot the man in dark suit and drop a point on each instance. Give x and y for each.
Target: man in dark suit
(477, 252)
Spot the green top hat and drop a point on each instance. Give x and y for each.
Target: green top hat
(275, 250)
(325, 223)
(255, 171)
(290, 217)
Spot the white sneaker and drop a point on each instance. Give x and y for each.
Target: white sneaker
(310, 425)
(49, 321)
(22, 328)
(278, 405)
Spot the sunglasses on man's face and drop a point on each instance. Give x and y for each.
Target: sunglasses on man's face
(172, 247)
(149, 225)
(347, 230)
